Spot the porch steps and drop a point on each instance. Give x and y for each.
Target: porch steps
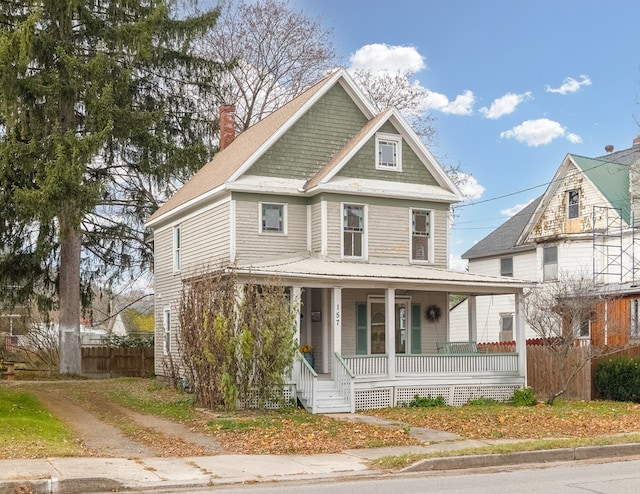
(328, 399)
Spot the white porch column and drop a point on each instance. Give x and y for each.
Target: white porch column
(521, 339)
(336, 314)
(327, 324)
(390, 328)
(472, 310)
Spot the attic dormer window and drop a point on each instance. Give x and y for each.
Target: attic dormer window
(573, 204)
(388, 152)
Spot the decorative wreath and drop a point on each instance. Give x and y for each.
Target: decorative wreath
(433, 313)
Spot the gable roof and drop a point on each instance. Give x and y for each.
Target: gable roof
(504, 239)
(230, 162)
(229, 165)
(609, 174)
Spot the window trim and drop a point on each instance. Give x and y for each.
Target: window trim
(511, 317)
(382, 137)
(177, 248)
(166, 330)
(504, 272)
(405, 300)
(573, 207)
(364, 253)
(429, 253)
(634, 328)
(545, 264)
(283, 205)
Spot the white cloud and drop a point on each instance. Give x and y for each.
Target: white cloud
(379, 57)
(538, 132)
(456, 263)
(574, 138)
(570, 85)
(469, 186)
(462, 105)
(505, 105)
(514, 209)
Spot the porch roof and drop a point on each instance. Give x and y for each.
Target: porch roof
(312, 271)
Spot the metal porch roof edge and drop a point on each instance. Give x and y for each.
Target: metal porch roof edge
(356, 273)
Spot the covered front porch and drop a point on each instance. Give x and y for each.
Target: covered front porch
(379, 335)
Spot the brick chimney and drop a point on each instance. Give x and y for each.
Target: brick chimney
(636, 141)
(227, 125)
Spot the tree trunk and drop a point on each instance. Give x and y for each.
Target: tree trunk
(69, 289)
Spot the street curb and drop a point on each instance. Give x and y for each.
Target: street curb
(67, 486)
(521, 457)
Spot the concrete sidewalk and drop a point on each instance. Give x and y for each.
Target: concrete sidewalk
(86, 475)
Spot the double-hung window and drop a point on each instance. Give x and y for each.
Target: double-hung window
(273, 218)
(353, 225)
(420, 234)
(388, 152)
(177, 248)
(573, 204)
(550, 263)
(506, 266)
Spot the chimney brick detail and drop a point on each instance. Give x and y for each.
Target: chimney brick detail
(227, 125)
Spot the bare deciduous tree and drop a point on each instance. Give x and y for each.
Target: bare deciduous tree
(279, 52)
(561, 313)
(386, 89)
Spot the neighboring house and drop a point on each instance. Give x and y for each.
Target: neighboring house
(583, 225)
(349, 209)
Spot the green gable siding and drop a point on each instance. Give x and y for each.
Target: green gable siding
(363, 164)
(313, 139)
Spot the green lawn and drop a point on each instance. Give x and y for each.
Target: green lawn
(28, 430)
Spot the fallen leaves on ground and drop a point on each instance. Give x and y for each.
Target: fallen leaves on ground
(297, 432)
(564, 419)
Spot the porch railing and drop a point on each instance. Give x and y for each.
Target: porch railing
(306, 383)
(367, 365)
(344, 380)
(476, 363)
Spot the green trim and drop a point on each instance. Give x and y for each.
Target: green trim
(361, 328)
(416, 329)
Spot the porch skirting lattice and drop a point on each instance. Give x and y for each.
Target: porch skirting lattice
(455, 395)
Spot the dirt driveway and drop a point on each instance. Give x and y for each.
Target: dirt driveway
(98, 424)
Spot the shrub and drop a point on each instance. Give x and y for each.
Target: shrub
(524, 397)
(619, 379)
(426, 402)
(482, 401)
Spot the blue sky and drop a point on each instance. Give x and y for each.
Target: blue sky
(515, 85)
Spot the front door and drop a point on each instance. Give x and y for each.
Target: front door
(377, 326)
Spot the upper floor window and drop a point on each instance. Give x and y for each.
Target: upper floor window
(388, 152)
(273, 218)
(353, 224)
(573, 204)
(177, 248)
(420, 234)
(550, 263)
(506, 266)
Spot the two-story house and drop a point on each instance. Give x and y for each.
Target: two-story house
(582, 226)
(348, 208)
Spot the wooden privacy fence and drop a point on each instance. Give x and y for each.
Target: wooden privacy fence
(546, 370)
(104, 362)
